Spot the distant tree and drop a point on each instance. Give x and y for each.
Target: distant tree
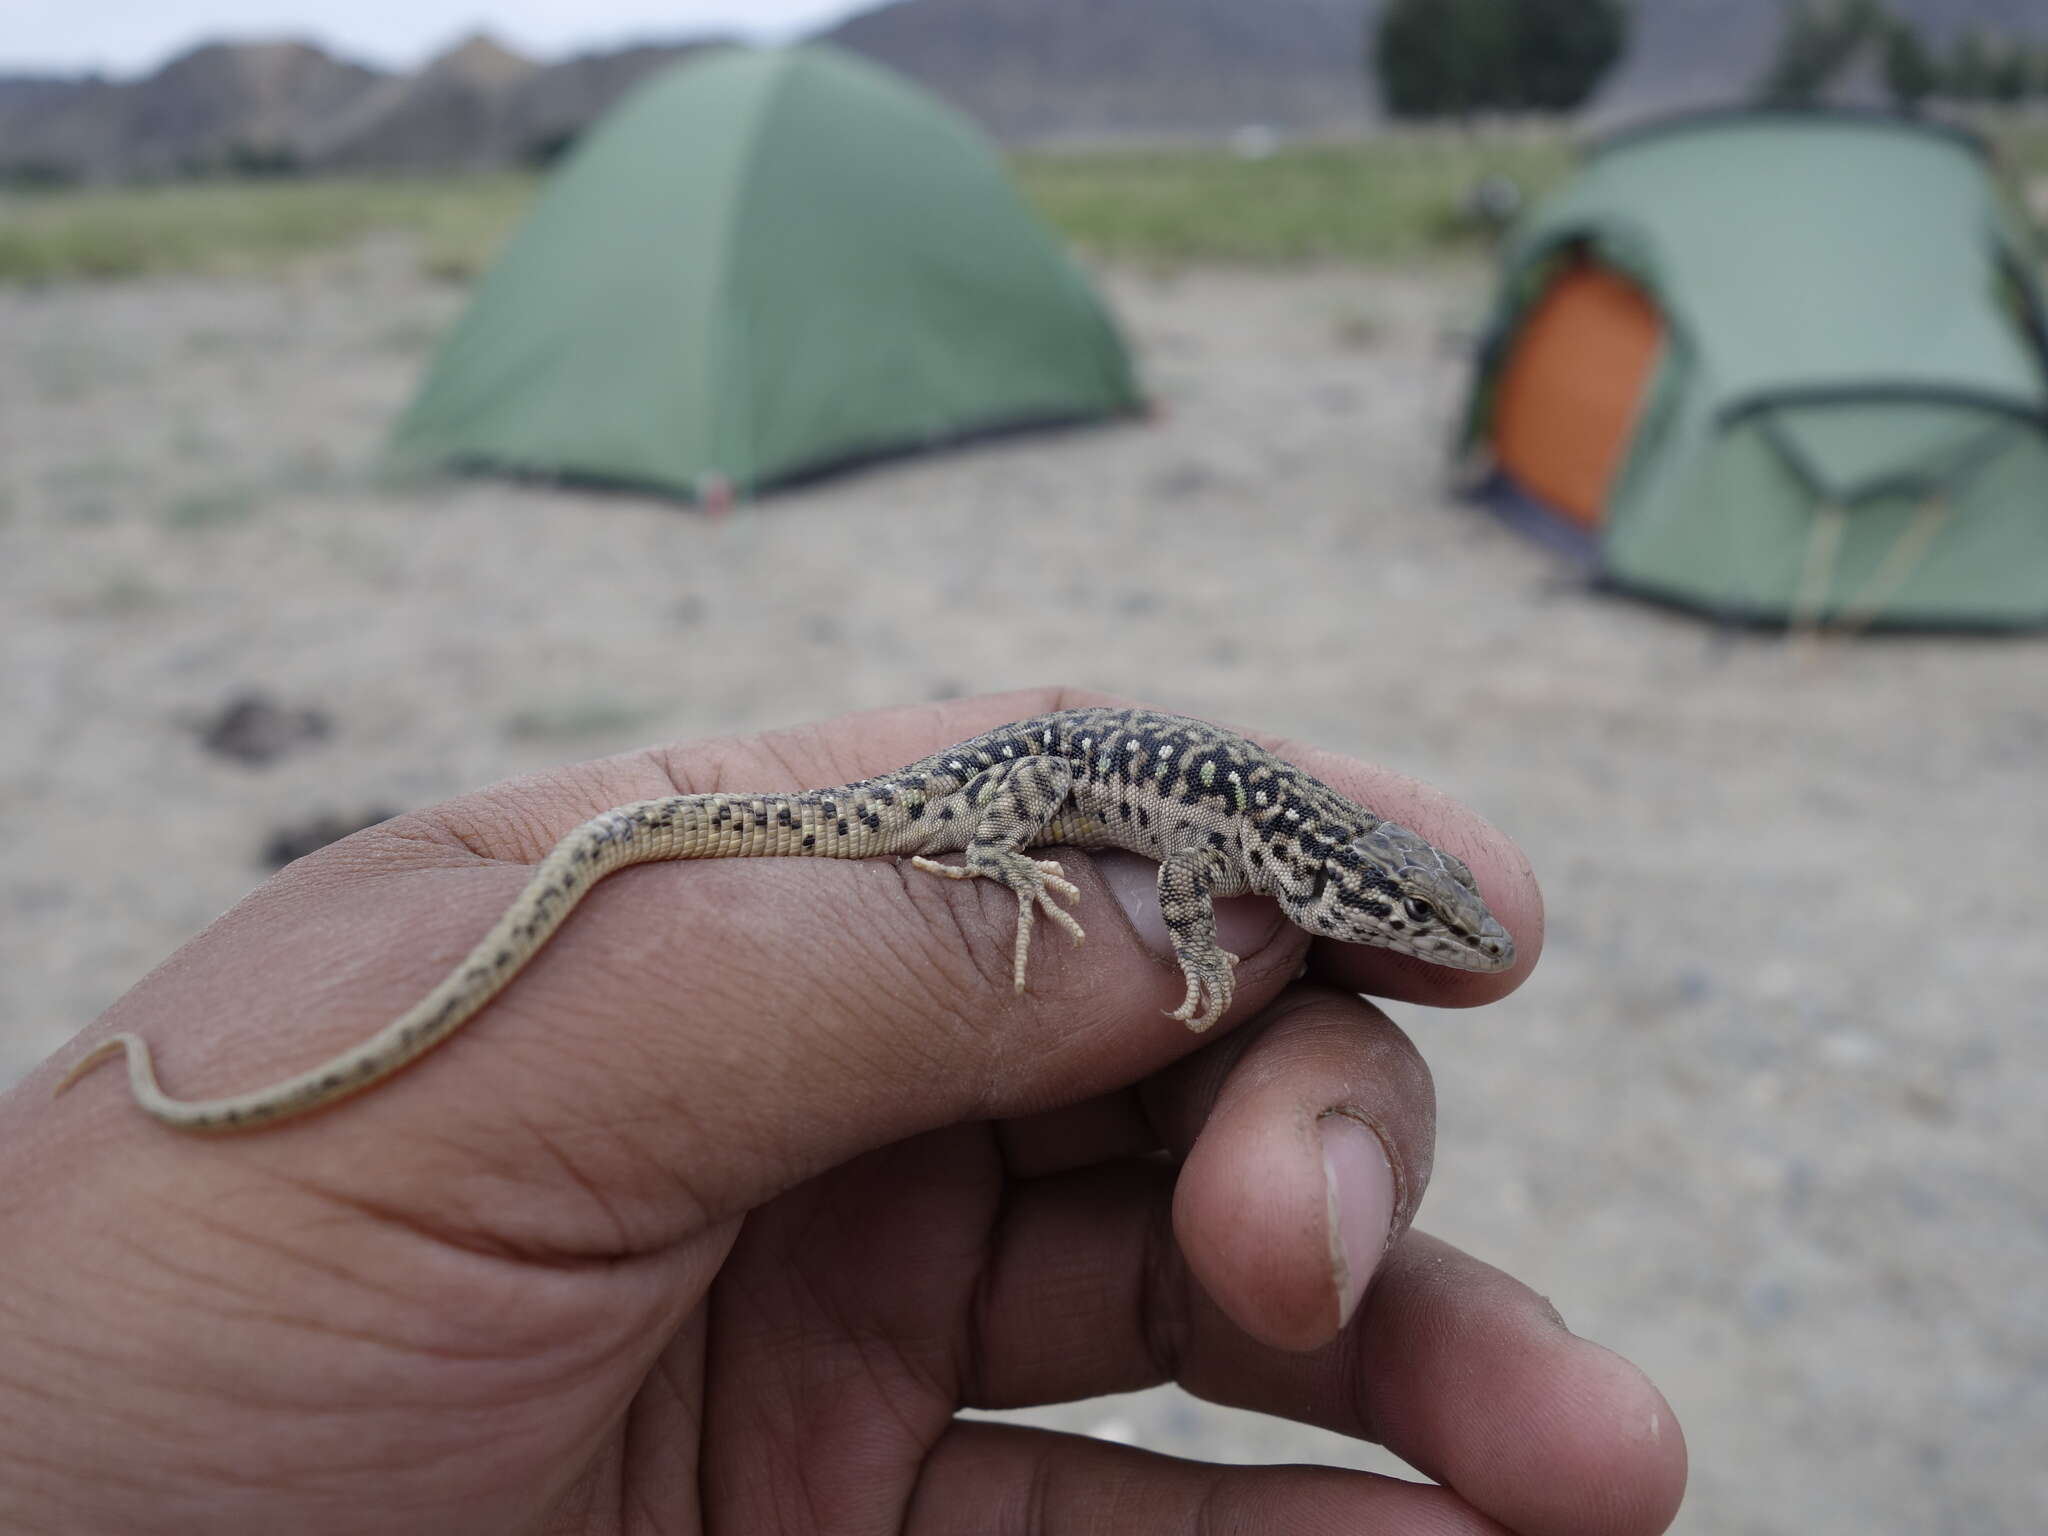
(1910, 72)
(1443, 58)
(2010, 74)
(1800, 66)
(36, 175)
(1968, 76)
(259, 162)
(1563, 47)
(1815, 41)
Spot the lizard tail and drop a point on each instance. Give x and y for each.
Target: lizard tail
(141, 1071)
(559, 883)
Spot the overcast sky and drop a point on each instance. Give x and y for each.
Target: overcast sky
(127, 37)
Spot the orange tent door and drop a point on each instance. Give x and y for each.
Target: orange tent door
(1571, 389)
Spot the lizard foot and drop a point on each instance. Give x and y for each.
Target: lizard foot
(1036, 882)
(1211, 979)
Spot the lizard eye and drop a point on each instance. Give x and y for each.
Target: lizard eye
(1418, 909)
(1315, 890)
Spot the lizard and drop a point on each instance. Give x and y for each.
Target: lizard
(1221, 814)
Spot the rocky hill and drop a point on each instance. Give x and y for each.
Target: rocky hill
(459, 113)
(1031, 70)
(1091, 69)
(220, 104)
(290, 106)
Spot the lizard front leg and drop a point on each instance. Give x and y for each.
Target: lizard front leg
(1187, 880)
(1011, 807)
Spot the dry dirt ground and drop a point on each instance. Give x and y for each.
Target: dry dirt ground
(1770, 1119)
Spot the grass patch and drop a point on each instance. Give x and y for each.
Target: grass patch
(1392, 198)
(2020, 139)
(210, 509)
(1395, 197)
(248, 226)
(1388, 198)
(125, 594)
(571, 719)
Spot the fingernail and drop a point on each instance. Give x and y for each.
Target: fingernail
(1244, 926)
(1359, 1196)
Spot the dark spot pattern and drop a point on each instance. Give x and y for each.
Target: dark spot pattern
(1220, 815)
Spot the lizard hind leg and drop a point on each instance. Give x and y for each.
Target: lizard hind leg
(1036, 882)
(1011, 805)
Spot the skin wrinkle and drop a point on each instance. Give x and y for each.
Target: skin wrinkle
(596, 1055)
(634, 1498)
(976, 941)
(868, 1351)
(210, 1281)
(546, 1386)
(622, 1243)
(945, 945)
(207, 1283)
(1164, 1295)
(880, 987)
(468, 1240)
(927, 956)
(1038, 1499)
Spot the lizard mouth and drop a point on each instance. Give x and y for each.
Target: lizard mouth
(1493, 949)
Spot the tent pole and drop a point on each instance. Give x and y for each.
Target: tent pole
(1818, 570)
(1900, 562)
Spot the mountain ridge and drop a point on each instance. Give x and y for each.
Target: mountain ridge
(1031, 71)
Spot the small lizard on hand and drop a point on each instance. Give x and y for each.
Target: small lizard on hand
(1223, 816)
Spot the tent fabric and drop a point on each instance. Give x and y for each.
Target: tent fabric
(762, 264)
(1848, 352)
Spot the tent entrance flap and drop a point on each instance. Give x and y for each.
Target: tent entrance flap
(1573, 386)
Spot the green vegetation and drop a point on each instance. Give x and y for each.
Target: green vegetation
(2022, 142)
(1396, 197)
(1392, 198)
(1910, 71)
(1818, 40)
(1822, 38)
(237, 225)
(1452, 58)
(1970, 66)
(213, 508)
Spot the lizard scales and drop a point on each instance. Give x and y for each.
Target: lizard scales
(1223, 816)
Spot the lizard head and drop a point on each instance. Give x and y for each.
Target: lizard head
(1387, 887)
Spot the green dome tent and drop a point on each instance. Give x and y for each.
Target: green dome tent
(762, 265)
(1781, 366)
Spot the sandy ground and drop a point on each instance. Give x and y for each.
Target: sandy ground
(1770, 1118)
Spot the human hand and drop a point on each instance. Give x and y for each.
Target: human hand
(754, 1176)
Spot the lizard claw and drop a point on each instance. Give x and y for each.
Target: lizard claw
(1211, 981)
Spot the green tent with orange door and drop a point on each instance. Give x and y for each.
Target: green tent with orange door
(1780, 366)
